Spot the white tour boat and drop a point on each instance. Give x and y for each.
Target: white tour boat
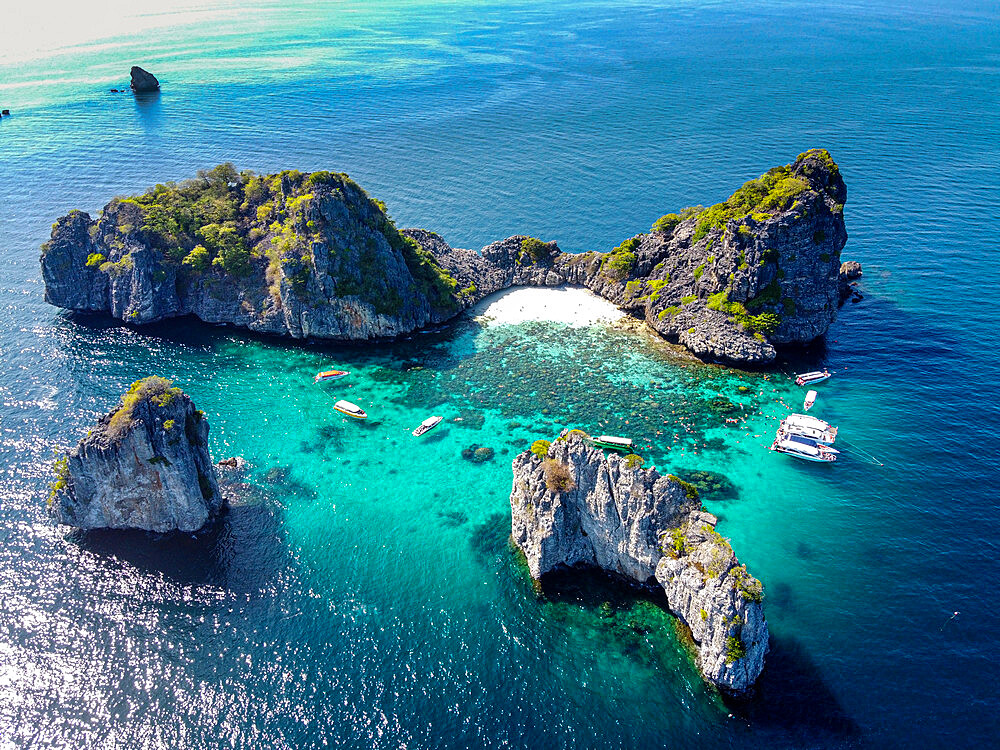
(351, 410)
(427, 425)
(810, 427)
(804, 448)
(809, 378)
(810, 400)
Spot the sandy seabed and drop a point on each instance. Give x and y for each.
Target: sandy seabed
(574, 306)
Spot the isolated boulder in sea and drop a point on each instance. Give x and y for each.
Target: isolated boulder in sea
(576, 506)
(145, 465)
(849, 270)
(143, 80)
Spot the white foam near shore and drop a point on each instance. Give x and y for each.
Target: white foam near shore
(574, 306)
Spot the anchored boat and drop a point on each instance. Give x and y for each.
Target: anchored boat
(351, 410)
(612, 442)
(804, 448)
(330, 375)
(810, 400)
(810, 427)
(427, 425)
(809, 378)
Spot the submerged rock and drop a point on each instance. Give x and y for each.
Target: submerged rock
(143, 80)
(145, 465)
(313, 256)
(849, 271)
(580, 507)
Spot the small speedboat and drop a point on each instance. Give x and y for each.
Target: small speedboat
(612, 442)
(330, 375)
(427, 425)
(809, 378)
(810, 427)
(810, 400)
(807, 450)
(351, 410)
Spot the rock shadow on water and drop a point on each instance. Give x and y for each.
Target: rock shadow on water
(244, 551)
(792, 699)
(491, 538)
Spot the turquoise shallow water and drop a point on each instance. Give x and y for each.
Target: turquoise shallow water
(363, 594)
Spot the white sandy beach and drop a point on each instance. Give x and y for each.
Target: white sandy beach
(574, 306)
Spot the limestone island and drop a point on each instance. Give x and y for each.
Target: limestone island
(313, 256)
(145, 465)
(572, 505)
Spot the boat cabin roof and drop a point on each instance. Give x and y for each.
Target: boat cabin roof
(804, 420)
(613, 439)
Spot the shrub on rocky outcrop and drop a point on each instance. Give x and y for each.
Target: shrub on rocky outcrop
(158, 391)
(533, 250)
(634, 460)
(540, 448)
(558, 477)
(735, 649)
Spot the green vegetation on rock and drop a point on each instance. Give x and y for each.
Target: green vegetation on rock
(60, 467)
(735, 649)
(690, 491)
(668, 222)
(540, 448)
(158, 391)
(770, 192)
(232, 223)
(764, 323)
(533, 251)
(621, 261)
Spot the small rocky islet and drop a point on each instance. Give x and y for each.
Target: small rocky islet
(573, 505)
(312, 256)
(145, 465)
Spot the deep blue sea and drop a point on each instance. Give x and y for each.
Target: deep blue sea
(362, 593)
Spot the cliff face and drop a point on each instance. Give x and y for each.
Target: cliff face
(314, 256)
(145, 465)
(578, 506)
(289, 254)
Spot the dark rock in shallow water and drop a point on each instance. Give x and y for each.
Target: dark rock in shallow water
(728, 282)
(578, 506)
(478, 454)
(143, 80)
(710, 484)
(144, 466)
(849, 270)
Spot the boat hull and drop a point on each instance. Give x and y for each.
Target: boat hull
(330, 375)
(811, 380)
(804, 457)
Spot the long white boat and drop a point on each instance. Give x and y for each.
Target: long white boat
(351, 410)
(809, 378)
(427, 425)
(612, 442)
(807, 450)
(810, 427)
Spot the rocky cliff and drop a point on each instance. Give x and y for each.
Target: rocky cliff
(145, 465)
(572, 505)
(312, 255)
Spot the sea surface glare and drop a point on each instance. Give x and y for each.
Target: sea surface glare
(362, 592)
